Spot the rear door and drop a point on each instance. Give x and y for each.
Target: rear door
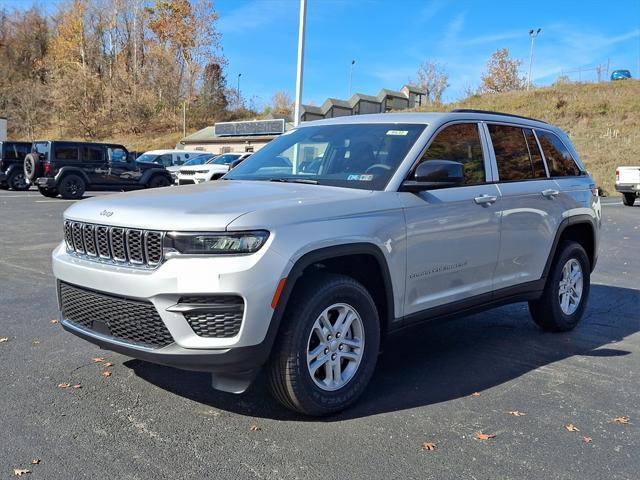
(453, 234)
(95, 165)
(530, 209)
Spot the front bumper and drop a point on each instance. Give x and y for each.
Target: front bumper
(250, 277)
(3, 178)
(628, 188)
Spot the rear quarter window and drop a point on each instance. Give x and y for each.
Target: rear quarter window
(64, 152)
(559, 160)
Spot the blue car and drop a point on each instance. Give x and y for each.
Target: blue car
(620, 75)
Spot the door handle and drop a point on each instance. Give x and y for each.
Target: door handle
(550, 193)
(485, 199)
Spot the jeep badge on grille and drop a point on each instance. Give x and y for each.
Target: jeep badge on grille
(106, 213)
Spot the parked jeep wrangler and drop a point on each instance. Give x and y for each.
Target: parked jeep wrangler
(11, 159)
(307, 254)
(69, 169)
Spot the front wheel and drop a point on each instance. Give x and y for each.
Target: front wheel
(17, 181)
(566, 292)
(48, 192)
(159, 181)
(628, 199)
(327, 348)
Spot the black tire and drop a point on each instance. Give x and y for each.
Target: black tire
(48, 192)
(290, 380)
(628, 199)
(71, 187)
(32, 167)
(158, 181)
(17, 181)
(547, 311)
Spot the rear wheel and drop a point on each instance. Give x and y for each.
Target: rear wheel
(628, 199)
(48, 192)
(327, 347)
(17, 181)
(566, 292)
(158, 181)
(32, 167)
(71, 187)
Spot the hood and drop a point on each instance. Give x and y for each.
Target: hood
(148, 164)
(206, 167)
(209, 206)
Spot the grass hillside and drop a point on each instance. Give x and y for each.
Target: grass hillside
(603, 120)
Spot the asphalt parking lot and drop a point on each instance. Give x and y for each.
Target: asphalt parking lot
(440, 384)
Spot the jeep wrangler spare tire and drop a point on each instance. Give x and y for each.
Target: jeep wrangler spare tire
(32, 167)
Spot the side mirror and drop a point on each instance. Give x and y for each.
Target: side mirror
(235, 163)
(434, 174)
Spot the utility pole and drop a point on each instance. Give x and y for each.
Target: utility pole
(300, 68)
(184, 119)
(532, 34)
(238, 91)
(353, 62)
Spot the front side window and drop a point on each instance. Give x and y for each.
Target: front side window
(66, 153)
(512, 152)
(363, 156)
(460, 143)
(559, 160)
(117, 154)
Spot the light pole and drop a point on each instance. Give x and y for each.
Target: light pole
(353, 62)
(532, 34)
(239, 75)
(300, 68)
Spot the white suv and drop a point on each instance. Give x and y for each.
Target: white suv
(305, 256)
(213, 169)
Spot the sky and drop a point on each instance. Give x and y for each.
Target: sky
(389, 39)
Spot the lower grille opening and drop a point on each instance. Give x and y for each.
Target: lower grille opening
(213, 316)
(125, 319)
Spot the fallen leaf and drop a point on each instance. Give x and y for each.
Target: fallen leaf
(108, 364)
(35, 461)
(4, 339)
(428, 446)
(106, 373)
(36, 342)
(475, 394)
(571, 428)
(587, 439)
(622, 420)
(255, 428)
(516, 413)
(77, 385)
(485, 436)
(18, 472)
(54, 321)
(97, 359)
(64, 385)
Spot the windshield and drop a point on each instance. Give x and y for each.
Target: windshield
(224, 159)
(349, 155)
(199, 160)
(147, 157)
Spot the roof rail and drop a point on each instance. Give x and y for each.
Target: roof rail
(471, 110)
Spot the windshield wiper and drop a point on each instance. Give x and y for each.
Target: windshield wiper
(310, 181)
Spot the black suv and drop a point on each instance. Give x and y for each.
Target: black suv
(11, 159)
(71, 168)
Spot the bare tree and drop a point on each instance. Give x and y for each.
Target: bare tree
(433, 78)
(502, 73)
(281, 103)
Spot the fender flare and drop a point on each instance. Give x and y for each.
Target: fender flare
(14, 166)
(147, 174)
(315, 256)
(75, 170)
(566, 223)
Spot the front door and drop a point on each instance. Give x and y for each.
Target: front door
(122, 170)
(453, 234)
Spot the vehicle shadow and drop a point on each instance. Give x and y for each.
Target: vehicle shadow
(440, 361)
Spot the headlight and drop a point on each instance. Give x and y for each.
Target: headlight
(214, 243)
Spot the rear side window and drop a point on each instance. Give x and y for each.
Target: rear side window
(559, 160)
(536, 156)
(66, 153)
(460, 143)
(512, 153)
(165, 160)
(93, 154)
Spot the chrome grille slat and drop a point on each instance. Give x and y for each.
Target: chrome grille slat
(124, 246)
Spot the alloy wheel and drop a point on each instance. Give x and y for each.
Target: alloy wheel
(570, 287)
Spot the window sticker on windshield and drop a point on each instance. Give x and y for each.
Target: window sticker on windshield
(401, 133)
(360, 178)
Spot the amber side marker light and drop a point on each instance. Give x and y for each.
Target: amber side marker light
(276, 296)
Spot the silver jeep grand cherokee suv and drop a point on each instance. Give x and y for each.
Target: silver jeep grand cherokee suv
(310, 252)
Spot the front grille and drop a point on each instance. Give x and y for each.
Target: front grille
(127, 246)
(214, 316)
(125, 319)
(188, 172)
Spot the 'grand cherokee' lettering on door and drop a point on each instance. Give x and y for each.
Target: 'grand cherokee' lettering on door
(439, 269)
